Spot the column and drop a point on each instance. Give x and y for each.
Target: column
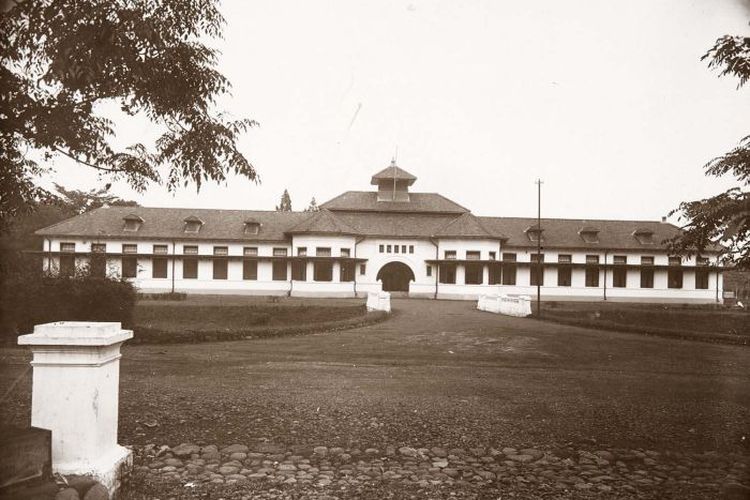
(76, 374)
(460, 274)
(310, 271)
(336, 272)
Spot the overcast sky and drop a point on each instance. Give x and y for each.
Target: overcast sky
(607, 102)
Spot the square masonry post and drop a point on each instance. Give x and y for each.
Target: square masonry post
(75, 394)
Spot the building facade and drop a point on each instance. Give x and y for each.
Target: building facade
(416, 244)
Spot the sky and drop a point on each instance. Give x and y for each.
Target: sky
(607, 102)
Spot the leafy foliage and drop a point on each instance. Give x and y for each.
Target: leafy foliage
(19, 236)
(724, 218)
(313, 206)
(84, 201)
(78, 298)
(285, 205)
(59, 59)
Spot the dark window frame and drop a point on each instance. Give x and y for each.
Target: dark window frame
(159, 264)
(279, 270)
(536, 270)
(323, 271)
(221, 269)
(250, 269)
(299, 270)
(473, 273)
(190, 268)
(129, 266)
(447, 273)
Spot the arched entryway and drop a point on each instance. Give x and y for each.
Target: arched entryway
(395, 277)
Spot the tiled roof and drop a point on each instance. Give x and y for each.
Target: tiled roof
(467, 226)
(322, 222)
(418, 225)
(367, 201)
(564, 233)
(393, 172)
(169, 223)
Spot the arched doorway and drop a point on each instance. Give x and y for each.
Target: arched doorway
(395, 277)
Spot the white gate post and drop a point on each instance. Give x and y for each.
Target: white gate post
(75, 395)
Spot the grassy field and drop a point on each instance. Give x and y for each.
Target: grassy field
(207, 317)
(435, 374)
(709, 323)
(216, 313)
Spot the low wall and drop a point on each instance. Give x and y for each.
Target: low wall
(379, 301)
(502, 304)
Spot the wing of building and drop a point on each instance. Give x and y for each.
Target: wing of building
(421, 244)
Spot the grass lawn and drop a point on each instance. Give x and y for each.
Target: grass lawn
(235, 317)
(216, 312)
(689, 321)
(438, 373)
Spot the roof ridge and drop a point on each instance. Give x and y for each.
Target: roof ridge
(571, 219)
(203, 209)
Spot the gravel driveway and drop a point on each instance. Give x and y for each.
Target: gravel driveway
(437, 375)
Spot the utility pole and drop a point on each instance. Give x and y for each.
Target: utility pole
(539, 269)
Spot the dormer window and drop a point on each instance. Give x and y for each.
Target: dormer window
(132, 222)
(534, 233)
(644, 236)
(252, 226)
(193, 224)
(589, 234)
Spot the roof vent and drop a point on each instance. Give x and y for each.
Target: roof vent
(252, 226)
(133, 222)
(193, 224)
(589, 234)
(644, 236)
(535, 233)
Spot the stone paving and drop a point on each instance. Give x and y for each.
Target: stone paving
(605, 472)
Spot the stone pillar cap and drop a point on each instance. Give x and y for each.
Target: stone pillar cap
(82, 333)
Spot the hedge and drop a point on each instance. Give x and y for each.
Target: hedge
(31, 298)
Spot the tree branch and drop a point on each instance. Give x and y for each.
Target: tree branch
(83, 162)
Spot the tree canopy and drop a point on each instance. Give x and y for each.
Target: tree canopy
(724, 218)
(313, 206)
(78, 202)
(59, 59)
(285, 205)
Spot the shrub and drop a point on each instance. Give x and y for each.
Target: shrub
(31, 298)
(163, 296)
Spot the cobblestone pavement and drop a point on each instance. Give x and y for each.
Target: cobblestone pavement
(437, 472)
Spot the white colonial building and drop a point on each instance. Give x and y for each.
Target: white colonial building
(420, 244)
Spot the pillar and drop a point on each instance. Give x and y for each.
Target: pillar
(485, 274)
(460, 274)
(310, 271)
(75, 394)
(336, 272)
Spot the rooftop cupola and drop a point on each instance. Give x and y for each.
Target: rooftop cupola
(393, 183)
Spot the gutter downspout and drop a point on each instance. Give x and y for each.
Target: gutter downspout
(173, 257)
(605, 275)
(717, 284)
(437, 266)
(357, 241)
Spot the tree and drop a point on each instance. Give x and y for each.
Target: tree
(19, 236)
(285, 205)
(313, 207)
(60, 59)
(724, 218)
(84, 201)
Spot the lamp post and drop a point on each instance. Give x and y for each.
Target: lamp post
(539, 248)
